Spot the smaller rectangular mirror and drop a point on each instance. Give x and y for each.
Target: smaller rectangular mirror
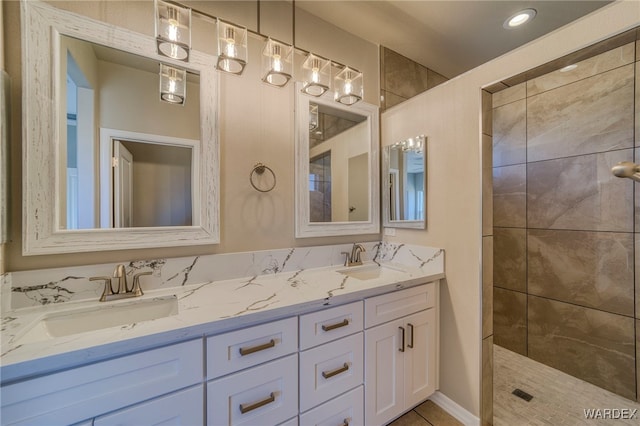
(404, 183)
(337, 168)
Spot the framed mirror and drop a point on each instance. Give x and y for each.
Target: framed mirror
(404, 167)
(337, 167)
(108, 163)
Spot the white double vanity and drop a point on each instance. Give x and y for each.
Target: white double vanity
(296, 344)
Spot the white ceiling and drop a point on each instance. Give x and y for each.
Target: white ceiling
(451, 36)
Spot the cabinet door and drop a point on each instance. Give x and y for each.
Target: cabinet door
(384, 371)
(179, 408)
(420, 357)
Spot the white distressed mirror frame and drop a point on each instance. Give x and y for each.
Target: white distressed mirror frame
(304, 228)
(42, 26)
(386, 202)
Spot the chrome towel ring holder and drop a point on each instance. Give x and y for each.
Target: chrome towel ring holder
(259, 170)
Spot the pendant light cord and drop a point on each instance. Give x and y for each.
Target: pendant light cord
(258, 7)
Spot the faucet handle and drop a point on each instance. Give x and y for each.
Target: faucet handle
(108, 289)
(347, 259)
(137, 290)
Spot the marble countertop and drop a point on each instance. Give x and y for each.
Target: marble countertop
(203, 309)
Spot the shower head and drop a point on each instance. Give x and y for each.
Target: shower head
(627, 169)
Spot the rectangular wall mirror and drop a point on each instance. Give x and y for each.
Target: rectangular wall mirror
(145, 172)
(336, 167)
(404, 171)
(113, 166)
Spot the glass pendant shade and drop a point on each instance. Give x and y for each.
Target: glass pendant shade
(232, 48)
(317, 75)
(313, 117)
(173, 84)
(415, 144)
(173, 30)
(277, 63)
(348, 86)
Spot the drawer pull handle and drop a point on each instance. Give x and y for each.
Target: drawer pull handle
(252, 349)
(245, 408)
(329, 374)
(344, 323)
(410, 345)
(402, 341)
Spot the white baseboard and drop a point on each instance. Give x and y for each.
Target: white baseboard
(456, 410)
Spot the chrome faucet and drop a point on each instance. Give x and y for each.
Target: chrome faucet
(354, 258)
(122, 290)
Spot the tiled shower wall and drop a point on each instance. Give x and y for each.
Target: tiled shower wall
(564, 228)
(401, 78)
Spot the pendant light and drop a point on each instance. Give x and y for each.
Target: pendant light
(348, 86)
(173, 30)
(277, 63)
(317, 75)
(314, 116)
(232, 47)
(173, 84)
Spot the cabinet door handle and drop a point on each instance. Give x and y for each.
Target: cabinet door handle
(346, 422)
(252, 349)
(329, 374)
(344, 323)
(410, 345)
(402, 344)
(245, 408)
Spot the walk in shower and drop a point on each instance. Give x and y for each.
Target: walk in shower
(566, 230)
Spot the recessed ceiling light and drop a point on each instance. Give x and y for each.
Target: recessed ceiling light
(569, 68)
(520, 18)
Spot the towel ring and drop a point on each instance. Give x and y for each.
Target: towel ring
(259, 169)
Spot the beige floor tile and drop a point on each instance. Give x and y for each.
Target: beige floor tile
(436, 415)
(410, 419)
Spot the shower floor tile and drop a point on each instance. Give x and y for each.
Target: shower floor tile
(558, 399)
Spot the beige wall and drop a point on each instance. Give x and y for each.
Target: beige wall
(129, 100)
(450, 116)
(256, 125)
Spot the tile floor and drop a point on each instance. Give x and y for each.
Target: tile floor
(558, 399)
(426, 414)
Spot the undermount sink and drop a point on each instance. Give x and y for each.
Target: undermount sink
(367, 272)
(81, 320)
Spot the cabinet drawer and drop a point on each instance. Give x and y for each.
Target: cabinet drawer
(179, 408)
(346, 410)
(234, 351)
(330, 369)
(388, 307)
(265, 395)
(330, 324)
(81, 393)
